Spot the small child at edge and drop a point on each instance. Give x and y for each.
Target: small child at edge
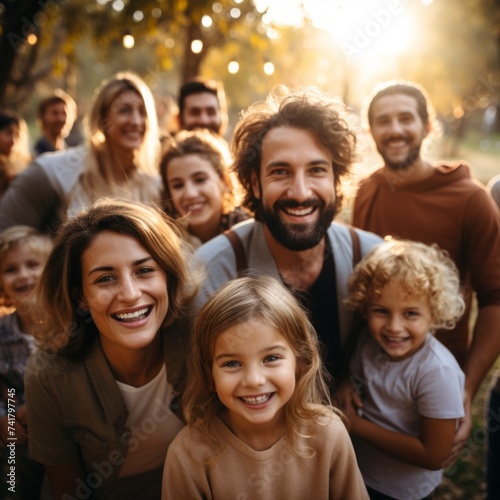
(23, 252)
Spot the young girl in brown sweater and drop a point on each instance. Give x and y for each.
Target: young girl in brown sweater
(259, 420)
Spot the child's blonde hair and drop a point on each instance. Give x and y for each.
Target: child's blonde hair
(419, 269)
(256, 299)
(14, 236)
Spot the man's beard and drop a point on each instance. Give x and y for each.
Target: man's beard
(298, 237)
(405, 164)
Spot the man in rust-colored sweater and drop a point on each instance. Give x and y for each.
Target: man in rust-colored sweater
(411, 199)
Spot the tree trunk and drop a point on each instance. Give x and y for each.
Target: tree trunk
(19, 20)
(192, 61)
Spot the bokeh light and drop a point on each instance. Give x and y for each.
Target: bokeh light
(233, 67)
(268, 68)
(196, 46)
(128, 41)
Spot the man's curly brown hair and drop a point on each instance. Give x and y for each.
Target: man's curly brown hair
(307, 109)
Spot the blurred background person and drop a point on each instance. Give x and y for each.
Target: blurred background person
(202, 104)
(56, 116)
(14, 147)
(198, 187)
(120, 159)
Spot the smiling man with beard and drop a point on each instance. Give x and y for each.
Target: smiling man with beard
(441, 204)
(291, 153)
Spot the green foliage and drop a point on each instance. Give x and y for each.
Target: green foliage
(455, 55)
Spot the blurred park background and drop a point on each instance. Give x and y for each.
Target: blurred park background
(344, 47)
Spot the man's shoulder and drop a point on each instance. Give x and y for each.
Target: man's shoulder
(367, 187)
(217, 259)
(371, 179)
(456, 181)
(340, 236)
(219, 247)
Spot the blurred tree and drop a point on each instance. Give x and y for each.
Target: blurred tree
(79, 43)
(17, 23)
(169, 26)
(458, 59)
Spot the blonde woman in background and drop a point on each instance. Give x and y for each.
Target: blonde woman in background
(119, 159)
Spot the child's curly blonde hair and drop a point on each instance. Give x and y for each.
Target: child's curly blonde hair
(419, 269)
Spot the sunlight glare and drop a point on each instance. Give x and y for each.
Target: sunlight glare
(284, 12)
(364, 29)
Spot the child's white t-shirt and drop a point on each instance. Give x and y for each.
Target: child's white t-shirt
(395, 394)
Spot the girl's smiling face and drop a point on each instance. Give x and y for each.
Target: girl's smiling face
(125, 290)
(196, 190)
(253, 371)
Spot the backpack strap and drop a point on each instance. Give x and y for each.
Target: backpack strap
(358, 320)
(356, 246)
(239, 252)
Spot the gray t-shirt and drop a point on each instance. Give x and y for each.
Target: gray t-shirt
(395, 395)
